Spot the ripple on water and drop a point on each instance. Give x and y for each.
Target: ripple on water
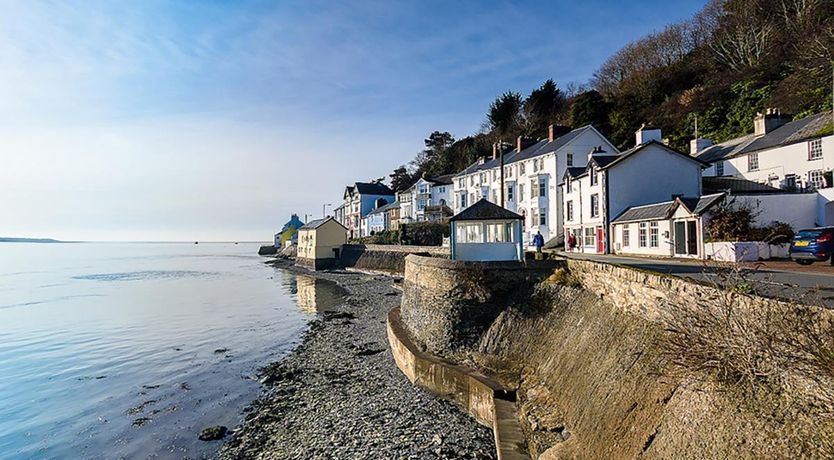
(146, 275)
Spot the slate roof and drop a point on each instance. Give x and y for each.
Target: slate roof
(445, 179)
(485, 210)
(665, 210)
(647, 212)
(634, 150)
(314, 224)
(388, 206)
(735, 185)
(790, 133)
(372, 188)
(539, 148)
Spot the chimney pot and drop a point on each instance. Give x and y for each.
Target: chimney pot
(550, 133)
(518, 144)
(494, 150)
(768, 121)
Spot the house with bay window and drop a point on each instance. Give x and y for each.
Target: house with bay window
(650, 172)
(360, 199)
(428, 199)
(531, 172)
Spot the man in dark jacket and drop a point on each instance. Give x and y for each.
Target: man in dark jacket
(538, 241)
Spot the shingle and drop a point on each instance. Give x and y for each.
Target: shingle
(647, 212)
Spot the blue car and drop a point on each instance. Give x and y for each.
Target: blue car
(813, 245)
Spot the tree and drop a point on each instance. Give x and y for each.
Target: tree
(433, 160)
(589, 108)
(401, 179)
(504, 116)
(542, 107)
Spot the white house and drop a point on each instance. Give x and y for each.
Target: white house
(792, 155)
(426, 199)
(650, 172)
(486, 232)
(378, 220)
(360, 199)
(672, 228)
(531, 174)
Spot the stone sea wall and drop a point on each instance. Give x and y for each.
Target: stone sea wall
(385, 258)
(586, 357)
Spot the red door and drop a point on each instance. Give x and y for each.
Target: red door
(600, 246)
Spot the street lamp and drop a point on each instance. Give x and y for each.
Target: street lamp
(323, 208)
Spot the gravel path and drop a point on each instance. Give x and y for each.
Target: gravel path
(339, 394)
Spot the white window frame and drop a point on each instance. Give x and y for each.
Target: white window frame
(654, 235)
(753, 161)
(626, 236)
(814, 149)
(594, 178)
(594, 202)
(816, 178)
(569, 211)
(642, 235)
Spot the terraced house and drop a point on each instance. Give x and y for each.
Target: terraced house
(531, 174)
(360, 199)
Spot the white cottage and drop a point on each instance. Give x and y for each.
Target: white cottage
(486, 232)
(792, 155)
(651, 172)
(669, 229)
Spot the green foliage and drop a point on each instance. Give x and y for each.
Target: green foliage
(401, 179)
(504, 115)
(732, 116)
(423, 233)
(384, 237)
(589, 108)
(728, 223)
(542, 108)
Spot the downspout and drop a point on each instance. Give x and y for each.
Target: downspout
(452, 240)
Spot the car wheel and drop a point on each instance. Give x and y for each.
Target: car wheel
(804, 261)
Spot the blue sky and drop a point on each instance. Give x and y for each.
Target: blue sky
(214, 120)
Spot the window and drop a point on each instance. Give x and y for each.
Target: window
(815, 149)
(499, 233)
(441, 189)
(472, 198)
(494, 174)
(508, 171)
(569, 210)
(494, 196)
(569, 158)
(472, 180)
(543, 217)
(521, 168)
(653, 236)
(719, 168)
(594, 178)
(590, 237)
(753, 161)
(541, 164)
(535, 166)
(790, 181)
(533, 188)
(569, 186)
(520, 192)
(542, 187)
(483, 177)
(461, 183)
(816, 178)
(641, 235)
(469, 233)
(509, 193)
(595, 205)
(626, 236)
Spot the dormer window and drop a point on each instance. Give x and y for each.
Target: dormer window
(594, 177)
(569, 185)
(569, 159)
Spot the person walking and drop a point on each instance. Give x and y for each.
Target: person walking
(538, 241)
(571, 241)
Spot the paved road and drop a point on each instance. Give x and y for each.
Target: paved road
(813, 284)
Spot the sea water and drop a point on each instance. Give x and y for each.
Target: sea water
(130, 350)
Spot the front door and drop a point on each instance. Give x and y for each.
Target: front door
(680, 238)
(600, 245)
(691, 238)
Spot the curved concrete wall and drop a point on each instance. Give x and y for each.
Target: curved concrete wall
(385, 258)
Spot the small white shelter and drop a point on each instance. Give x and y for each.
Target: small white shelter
(319, 243)
(486, 232)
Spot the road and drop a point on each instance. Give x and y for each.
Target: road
(780, 279)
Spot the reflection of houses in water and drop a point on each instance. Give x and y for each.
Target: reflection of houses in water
(314, 295)
(306, 296)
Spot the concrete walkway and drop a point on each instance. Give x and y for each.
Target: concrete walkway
(780, 279)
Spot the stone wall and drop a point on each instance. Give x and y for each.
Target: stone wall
(385, 258)
(587, 359)
(448, 304)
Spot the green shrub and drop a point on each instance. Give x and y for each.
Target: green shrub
(424, 233)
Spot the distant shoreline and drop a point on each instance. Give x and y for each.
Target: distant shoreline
(54, 241)
(31, 240)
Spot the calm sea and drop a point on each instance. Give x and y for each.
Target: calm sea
(129, 350)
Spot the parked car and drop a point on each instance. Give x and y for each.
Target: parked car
(813, 245)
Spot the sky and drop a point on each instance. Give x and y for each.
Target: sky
(216, 120)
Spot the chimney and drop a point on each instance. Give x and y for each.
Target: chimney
(768, 121)
(647, 133)
(550, 133)
(518, 144)
(698, 144)
(494, 150)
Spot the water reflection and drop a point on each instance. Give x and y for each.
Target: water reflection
(314, 295)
